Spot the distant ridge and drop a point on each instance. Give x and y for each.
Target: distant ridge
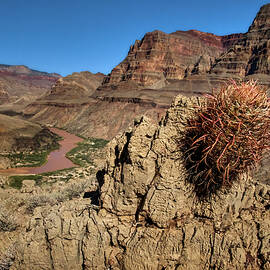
(22, 69)
(22, 83)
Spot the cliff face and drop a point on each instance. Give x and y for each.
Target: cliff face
(246, 57)
(148, 216)
(250, 54)
(159, 56)
(195, 59)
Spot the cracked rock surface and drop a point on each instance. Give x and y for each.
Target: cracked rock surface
(149, 217)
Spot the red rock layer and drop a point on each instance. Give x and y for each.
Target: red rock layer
(162, 65)
(20, 81)
(250, 55)
(159, 56)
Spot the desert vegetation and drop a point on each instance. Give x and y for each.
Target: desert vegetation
(22, 194)
(80, 154)
(15, 181)
(8, 222)
(31, 158)
(68, 192)
(8, 257)
(227, 136)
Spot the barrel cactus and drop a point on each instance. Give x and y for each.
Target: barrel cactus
(227, 136)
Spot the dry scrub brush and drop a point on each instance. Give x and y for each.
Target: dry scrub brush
(227, 136)
(8, 257)
(8, 222)
(73, 190)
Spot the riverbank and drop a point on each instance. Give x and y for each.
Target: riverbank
(56, 159)
(21, 195)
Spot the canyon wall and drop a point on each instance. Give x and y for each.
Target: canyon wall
(249, 57)
(156, 69)
(160, 56)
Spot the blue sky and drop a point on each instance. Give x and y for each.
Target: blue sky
(65, 36)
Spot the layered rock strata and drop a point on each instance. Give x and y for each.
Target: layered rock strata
(78, 85)
(249, 56)
(98, 118)
(157, 68)
(160, 56)
(159, 59)
(23, 82)
(148, 216)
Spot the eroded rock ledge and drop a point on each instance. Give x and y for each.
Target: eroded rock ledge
(149, 217)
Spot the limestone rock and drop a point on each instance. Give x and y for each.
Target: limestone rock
(149, 216)
(145, 181)
(70, 236)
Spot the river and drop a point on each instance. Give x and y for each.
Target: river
(56, 160)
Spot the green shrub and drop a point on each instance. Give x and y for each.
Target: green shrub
(16, 180)
(227, 136)
(82, 155)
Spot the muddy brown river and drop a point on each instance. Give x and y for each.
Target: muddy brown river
(56, 160)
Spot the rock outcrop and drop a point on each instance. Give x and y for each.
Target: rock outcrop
(75, 86)
(148, 216)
